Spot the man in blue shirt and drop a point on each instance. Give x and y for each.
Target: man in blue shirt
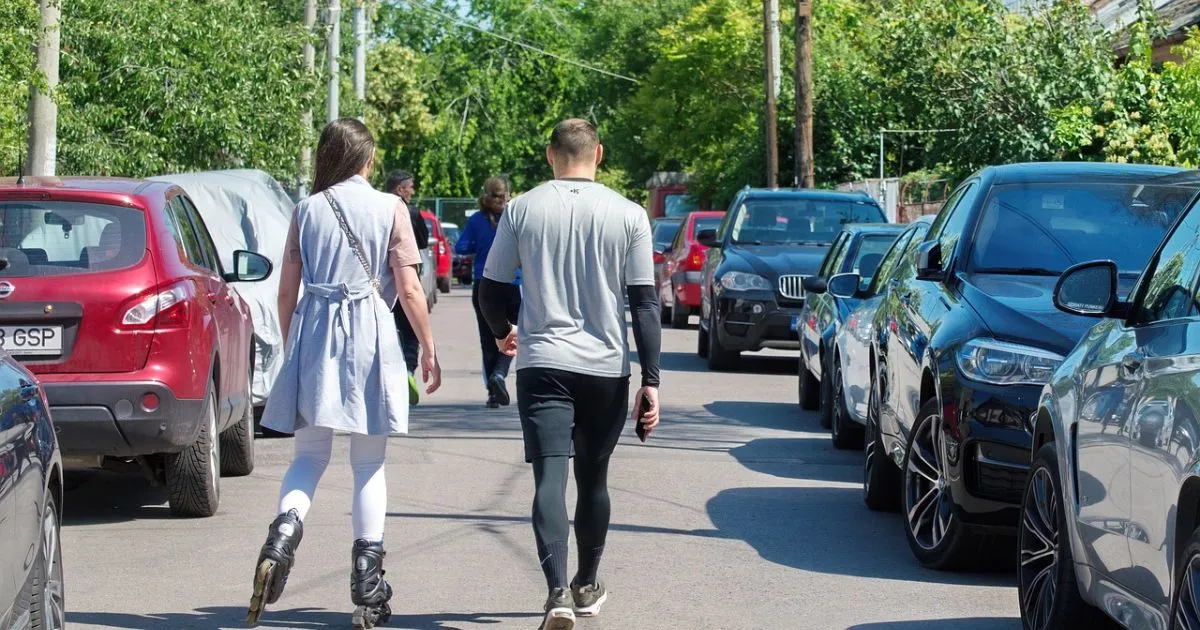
(476, 238)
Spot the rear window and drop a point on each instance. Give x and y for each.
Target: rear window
(54, 238)
(664, 233)
(706, 223)
(870, 253)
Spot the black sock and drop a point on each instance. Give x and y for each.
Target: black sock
(554, 563)
(589, 565)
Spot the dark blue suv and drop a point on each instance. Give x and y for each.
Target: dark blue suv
(753, 278)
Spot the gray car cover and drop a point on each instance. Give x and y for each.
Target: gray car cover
(247, 209)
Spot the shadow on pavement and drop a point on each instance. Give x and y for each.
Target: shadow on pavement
(973, 623)
(828, 530)
(768, 415)
(800, 458)
(751, 363)
(109, 497)
(681, 362)
(226, 617)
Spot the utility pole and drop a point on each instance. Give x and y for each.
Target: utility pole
(804, 103)
(43, 113)
(306, 119)
(360, 50)
(335, 47)
(771, 8)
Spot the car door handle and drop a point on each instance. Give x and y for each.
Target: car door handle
(1132, 362)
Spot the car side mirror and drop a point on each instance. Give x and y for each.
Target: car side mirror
(707, 238)
(1088, 289)
(844, 285)
(929, 261)
(249, 267)
(814, 284)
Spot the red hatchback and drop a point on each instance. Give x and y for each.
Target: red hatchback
(112, 292)
(441, 250)
(679, 279)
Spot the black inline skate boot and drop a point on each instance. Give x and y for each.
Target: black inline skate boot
(274, 563)
(368, 590)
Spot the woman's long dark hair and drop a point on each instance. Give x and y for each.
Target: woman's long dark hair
(345, 147)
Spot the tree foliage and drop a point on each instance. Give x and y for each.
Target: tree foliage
(19, 22)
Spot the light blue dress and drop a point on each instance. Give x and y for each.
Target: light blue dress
(343, 366)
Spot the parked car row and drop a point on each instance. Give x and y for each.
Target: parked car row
(992, 406)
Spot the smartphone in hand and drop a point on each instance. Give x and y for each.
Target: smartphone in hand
(644, 403)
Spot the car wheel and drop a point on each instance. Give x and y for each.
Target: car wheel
(664, 315)
(237, 443)
(810, 395)
(1046, 586)
(679, 316)
(702, 340)
(936, 534)
(193, 475)
(846, 433)
(881, 478)
(719, 359)
(825, 398)
(46, 605)
(444, 285)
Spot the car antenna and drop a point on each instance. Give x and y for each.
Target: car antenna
(20, 168)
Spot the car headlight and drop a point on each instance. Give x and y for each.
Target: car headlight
(1003, 363)
(742, 281)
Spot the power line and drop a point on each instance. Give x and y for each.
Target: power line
(417, 5)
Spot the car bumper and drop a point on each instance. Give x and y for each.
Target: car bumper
(107, 418)
(989, 450)
(687, 292)
(750, 323)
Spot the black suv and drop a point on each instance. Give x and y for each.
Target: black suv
(753, 279)
(968, 335)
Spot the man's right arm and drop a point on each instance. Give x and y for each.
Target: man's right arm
(466, 241)
(420, 230)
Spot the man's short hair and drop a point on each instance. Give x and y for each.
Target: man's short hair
(395, 178)
(574, 138)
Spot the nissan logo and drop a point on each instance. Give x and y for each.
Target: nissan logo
(6, 289)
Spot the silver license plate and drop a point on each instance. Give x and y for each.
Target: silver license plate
(32, 340)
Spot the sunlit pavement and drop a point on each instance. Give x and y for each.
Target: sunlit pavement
(737, 514)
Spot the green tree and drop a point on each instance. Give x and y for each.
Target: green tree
(20, 24)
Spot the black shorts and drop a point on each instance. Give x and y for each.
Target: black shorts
(571, 414)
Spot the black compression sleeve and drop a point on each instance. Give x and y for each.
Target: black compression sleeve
(647, 330)
(493, 302)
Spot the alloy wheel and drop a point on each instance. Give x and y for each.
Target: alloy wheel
(1039, 551)
(838, 397)
(1187, 610)
(53, 610)
(214, 451)
(872, 435)
(927, 503)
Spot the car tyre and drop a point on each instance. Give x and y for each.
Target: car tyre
(845, 433)
(193, 475)
(719, 359)
(1046, 568)
(702, 340)
(809, 394)
(679, 316)
(47, 610)
(664, 315)
(936, 534)
(881, 478)
(237, 442)
(825, 398)
(444, 285)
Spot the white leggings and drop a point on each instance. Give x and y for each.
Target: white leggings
(367, 453)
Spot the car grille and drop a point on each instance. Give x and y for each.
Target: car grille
(792, 287)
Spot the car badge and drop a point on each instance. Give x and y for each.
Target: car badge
(6, 289)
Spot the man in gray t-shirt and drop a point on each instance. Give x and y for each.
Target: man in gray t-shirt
(582, 249)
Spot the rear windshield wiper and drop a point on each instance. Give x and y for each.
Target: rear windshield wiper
(1020, 271)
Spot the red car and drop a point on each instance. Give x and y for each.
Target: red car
(680, 276)
(112, 292)
(441, 249)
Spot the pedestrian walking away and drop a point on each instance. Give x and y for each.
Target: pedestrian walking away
(476, 238)
(354, 251)
(402, 184)
(583, 250)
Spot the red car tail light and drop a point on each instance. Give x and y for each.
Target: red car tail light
(658, 258)
(161, 309)
(695, 259)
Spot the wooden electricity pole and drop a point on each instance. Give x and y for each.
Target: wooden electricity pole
(804, 103)
(306, 119)
(43, 113)
(770, 11)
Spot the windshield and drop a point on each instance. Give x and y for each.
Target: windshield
(678, 205)
(1042, 229)
(798, 221)
(47, 238)
(870, 253)
(664, 233)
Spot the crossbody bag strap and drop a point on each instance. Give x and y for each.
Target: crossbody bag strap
(354, 243)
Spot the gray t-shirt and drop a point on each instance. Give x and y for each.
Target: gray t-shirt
(578, 244)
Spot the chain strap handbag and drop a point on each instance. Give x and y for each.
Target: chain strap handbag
(354, 242)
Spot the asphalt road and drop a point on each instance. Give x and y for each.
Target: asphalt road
(737, 514)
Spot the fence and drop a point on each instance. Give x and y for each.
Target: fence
(903, 201)
(449, 209)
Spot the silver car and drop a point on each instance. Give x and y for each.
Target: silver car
(1110, 521)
